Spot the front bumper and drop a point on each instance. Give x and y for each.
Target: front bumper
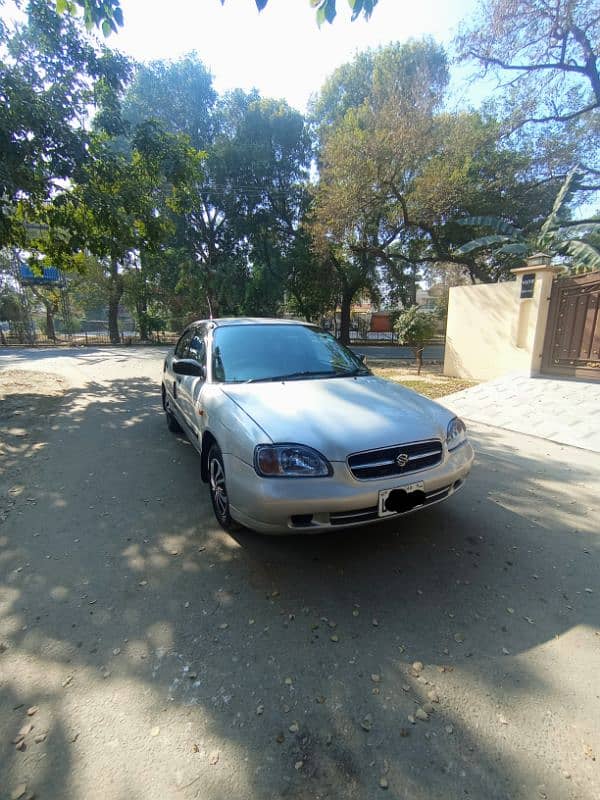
(311, 505)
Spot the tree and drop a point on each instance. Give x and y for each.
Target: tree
(117, 210)
(374, 118)
(558, 234)
(107, 14)
(550, 51)
(49, 297)
(12, 310)
(234, 231)
(415, 328)
(416, 70)
(48, 78)
(178, 94)
(396, 172)
(267, 162)
(546, 59)
(313, 286)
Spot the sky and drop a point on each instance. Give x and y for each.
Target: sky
(281, 51)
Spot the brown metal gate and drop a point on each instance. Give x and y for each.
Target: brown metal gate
(572, 342)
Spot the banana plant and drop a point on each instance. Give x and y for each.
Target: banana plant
(568, 240)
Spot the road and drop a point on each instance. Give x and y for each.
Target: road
(167, 659)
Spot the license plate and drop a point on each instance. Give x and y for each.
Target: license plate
(382, 511)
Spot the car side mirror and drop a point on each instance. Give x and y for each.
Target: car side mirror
(187, 366)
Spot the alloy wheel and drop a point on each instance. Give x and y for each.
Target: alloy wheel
(218, 487)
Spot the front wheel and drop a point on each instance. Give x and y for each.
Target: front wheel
(218, 490)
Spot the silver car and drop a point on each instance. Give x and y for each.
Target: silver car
(295, 434)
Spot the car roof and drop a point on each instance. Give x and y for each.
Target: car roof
(226, 321)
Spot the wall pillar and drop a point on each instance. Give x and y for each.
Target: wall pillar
(534, 288)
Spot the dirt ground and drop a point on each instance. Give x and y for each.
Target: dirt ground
(430, 382)
(147, 655)
(27, 398)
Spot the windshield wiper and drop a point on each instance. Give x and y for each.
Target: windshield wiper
(352, 372)
(291, 376)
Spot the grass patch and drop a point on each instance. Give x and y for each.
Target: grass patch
(434, 389)
(430, 382)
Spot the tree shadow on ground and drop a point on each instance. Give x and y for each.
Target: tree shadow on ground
(169, 659)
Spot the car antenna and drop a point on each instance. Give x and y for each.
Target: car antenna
(209, 307)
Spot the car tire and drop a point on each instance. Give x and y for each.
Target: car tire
(172, 423)
(218, 490)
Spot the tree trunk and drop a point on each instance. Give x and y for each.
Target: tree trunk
(419, 358)
(113, 321)
(114, 299)
(141, 302)
(347, 296)
(142, 315)
(412, 289)
(50, 331)
(51, 306)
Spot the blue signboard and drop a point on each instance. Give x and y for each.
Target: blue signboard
(47, 277)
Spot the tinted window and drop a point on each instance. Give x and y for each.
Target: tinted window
(274, 352)
(196, 349)
(183, 343)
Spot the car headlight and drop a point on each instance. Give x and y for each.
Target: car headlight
(290, 461)
(456, 433)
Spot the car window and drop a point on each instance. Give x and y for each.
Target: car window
(273, 352)
(183, 344)
(197, 349)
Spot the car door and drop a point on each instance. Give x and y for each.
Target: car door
(174, 383)
(190, 387)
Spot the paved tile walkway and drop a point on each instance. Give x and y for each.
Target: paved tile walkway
(564, 411)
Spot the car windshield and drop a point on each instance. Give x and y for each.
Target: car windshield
(249, 353)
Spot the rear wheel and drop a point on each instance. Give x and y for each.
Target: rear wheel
(172, 423)
(218, 490)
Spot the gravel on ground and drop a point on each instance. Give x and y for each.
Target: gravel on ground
(145, 654)
(430, 382)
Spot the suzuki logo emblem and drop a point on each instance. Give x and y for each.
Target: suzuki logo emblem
(402, 459)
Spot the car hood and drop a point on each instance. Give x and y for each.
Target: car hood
(339, 416)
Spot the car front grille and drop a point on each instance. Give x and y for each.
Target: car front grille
(388, 462)
(367, 514)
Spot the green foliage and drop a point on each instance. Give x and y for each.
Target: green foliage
(555, 235)
(178, 94)
(326, 9)
(415, 328)
(104, 14)
(375, 118)
(544, 57)
(313, 285)
(397, 173)
(235, 226)
(49, 74)
(416, 70)
(180, 199)
(11, 308)
(482, 243)
(584, 257)
(546, 51)
(553, 220)
(120, 211)
(108, 15)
